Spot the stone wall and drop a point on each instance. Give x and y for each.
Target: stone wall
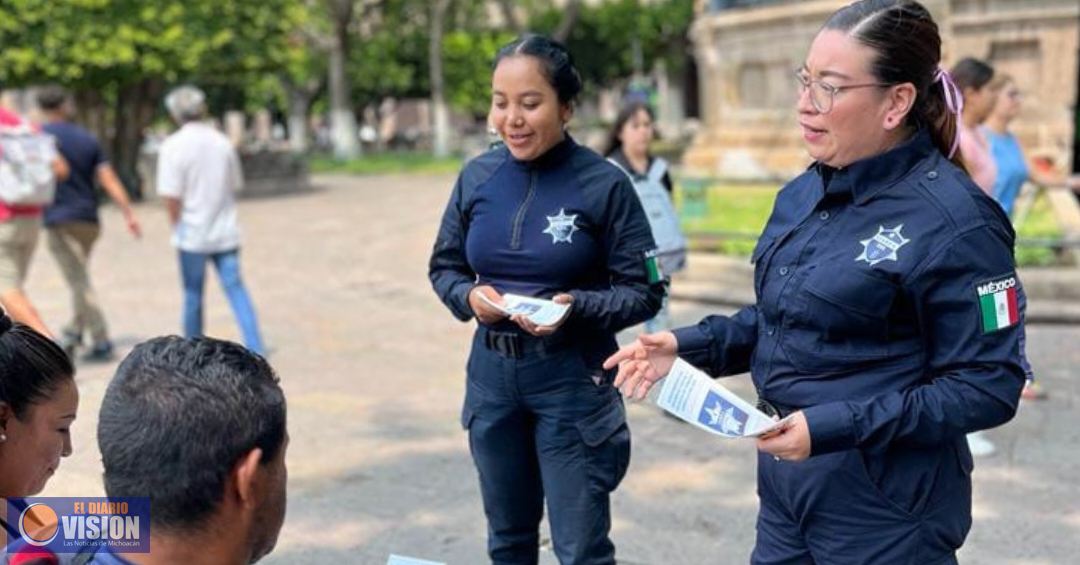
(1036, 42)
(746, 58)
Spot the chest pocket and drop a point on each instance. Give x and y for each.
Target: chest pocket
(841, 316)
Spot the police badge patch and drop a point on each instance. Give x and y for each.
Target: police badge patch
(561, 227)
(882, 246)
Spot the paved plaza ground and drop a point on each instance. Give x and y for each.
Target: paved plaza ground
(373, 369)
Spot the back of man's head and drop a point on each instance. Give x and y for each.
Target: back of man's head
(178, 418)
(186, 103)
(52, 98)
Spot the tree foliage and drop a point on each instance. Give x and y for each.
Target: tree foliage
(604, 36)
(95, 43)
(258, 53)
(467, 64)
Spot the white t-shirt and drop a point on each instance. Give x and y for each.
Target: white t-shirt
(199, 166)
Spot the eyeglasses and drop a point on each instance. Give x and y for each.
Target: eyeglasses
(823, 94)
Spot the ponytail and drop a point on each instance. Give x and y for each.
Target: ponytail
(938, 109)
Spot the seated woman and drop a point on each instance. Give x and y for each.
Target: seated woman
(38, 401)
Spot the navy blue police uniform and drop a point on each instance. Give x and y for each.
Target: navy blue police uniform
(542, 416)
(887, 311)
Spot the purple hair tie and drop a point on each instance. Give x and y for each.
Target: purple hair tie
(954, 101)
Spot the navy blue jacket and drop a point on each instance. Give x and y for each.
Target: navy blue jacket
(872, 286)
(568, 221)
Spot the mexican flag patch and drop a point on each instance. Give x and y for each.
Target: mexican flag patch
(997, 304)
(652, 267)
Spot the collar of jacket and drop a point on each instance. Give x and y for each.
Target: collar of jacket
(552, 158)
(865, 178)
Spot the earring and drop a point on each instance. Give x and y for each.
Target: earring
(3, 437)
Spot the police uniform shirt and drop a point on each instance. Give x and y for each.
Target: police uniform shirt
(887, 305)
(568, 221)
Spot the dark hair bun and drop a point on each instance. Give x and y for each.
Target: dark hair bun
(558, 64)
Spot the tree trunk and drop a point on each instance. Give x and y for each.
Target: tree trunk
(440, 114)
(566, 24)
(342, 119)
(300, 98)
(298, 116)
(135, 109)
(91, 113)
(510, 15)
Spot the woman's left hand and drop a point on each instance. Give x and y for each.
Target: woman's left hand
(791, 443)
(541, 331)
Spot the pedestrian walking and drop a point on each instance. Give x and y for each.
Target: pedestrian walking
(198, 173)
(72, 223)
(30, 166)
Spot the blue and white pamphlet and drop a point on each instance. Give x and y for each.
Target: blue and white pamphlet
(541, 312)
(695, 397)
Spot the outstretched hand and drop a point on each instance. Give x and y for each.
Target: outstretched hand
(643, 363)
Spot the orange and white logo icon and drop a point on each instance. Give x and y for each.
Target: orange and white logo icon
(38, 524)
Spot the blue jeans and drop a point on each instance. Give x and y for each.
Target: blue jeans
(193, 277)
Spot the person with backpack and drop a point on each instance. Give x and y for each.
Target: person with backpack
(628, 149)
(72, 223)
(30, 166)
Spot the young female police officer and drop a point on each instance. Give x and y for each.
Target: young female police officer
(886, 318)
(542, 216)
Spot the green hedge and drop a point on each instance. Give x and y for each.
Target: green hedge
(733, 214)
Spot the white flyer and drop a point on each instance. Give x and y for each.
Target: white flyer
(541, 312)
(695, 397)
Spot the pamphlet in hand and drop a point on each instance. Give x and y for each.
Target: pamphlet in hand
(541, 312)
(695, 397)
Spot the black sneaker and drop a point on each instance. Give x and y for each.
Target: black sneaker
(100, 353)
(69, 342)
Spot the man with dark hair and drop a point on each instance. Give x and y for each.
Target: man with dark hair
(72, 223)
(198, 425)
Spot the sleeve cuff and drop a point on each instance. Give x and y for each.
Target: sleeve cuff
(831, 427)
(693, 345)
(463, 291)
